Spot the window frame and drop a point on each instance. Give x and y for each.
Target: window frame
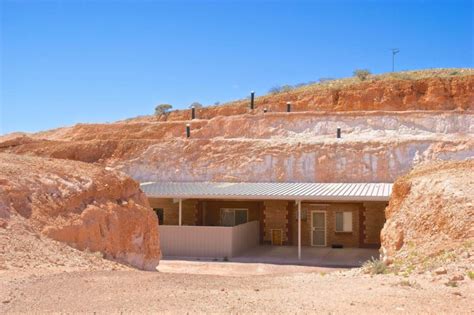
(221, 210)
(343, 219)
(156, 210)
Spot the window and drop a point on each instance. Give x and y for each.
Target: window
(232, 217)
(344, 221)
(160, 214)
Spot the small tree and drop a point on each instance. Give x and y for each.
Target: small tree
(286, 88)
(280, 89)
(275, 90)
(322, 80)
(162, 109)
(217, 103)
(196, 105)
(362, 74)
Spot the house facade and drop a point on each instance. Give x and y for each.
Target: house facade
(338, 215)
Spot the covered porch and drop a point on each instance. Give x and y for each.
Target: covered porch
(324, 222)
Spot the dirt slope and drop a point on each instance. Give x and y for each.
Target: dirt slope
(88, 207)
(437, 89)
(389, 124)
(430, 218)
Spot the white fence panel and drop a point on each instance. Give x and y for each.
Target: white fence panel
(208, 241)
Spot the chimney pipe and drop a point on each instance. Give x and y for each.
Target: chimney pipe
(252, 98)
(193, 112)
(288, 107)
(188, 130)
(338, 132)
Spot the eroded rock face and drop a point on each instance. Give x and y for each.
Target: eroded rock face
(86, 206)
(296, 147)
(431, 212)
(432, 93)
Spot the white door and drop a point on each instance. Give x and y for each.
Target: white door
(318, 228)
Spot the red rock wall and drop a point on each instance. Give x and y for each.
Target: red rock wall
(83, 205)
(430, 213)
(399, 95)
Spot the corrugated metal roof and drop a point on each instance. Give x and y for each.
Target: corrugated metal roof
(270, 191)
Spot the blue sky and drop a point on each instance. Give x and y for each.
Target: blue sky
(64, 62)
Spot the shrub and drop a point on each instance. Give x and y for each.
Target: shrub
(323, 80)
(406, 283)
(300, 85)
(162, 109)
(362, 74)
(275, 90)
(217, 103)
(470, 274)
(286, 88)
(374, 266)
(196, 105)
(280, 89)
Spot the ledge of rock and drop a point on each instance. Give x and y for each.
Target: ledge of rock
(84, 205)
(430, 214)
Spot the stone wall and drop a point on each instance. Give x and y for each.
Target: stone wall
(367, 219)
(346, 239)
(212, 209)
(275, 215)
(374, 219)
(171, 211)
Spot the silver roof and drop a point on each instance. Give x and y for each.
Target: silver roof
(270, 191)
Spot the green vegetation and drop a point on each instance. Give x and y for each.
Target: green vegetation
(328, 83)
(281, 89)
(411, 284)
(470, 274)
(162, 109)
(362, 74)
(374, 266)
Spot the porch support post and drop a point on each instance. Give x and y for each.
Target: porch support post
(299, 229)
(180, 210)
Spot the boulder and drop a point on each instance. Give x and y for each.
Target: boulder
(84, 205)
(430, 215)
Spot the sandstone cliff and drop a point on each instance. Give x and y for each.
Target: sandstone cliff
(430, 218)
(88, 207)
(389, 124)
(437, 89)
(295, 147)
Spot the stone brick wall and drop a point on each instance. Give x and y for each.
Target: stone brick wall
(374, 219)
(171, 211)
(212, 210)
(347, 239)
(367, 218)
(275, 215)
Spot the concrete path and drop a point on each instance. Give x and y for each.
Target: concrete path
(310, 256)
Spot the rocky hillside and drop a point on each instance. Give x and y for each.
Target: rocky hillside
(430, 219)
(88, 207)
(437, 89)
(389, 124)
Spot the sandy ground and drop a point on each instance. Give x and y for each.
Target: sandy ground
(233, 288)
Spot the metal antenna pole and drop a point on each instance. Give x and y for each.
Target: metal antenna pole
(394, 52)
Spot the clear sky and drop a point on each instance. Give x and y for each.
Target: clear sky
(64, 62)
